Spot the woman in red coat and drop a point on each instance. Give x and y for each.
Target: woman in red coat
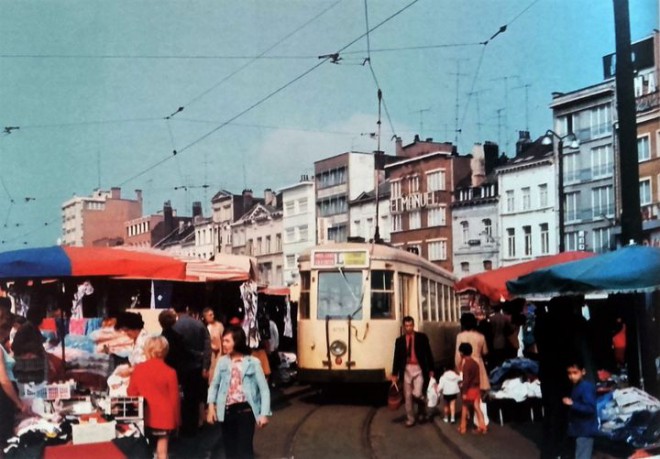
(157, 383)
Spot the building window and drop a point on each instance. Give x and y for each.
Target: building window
(543, 195)
(415, 220)
(526, 199)
(303, 233)
(527, 233)
(600, 121)
(289, 208)
(290, 235)
(357, 228)
(413, 184)
(249, 247)
(571, 240)
(488, 227)
(465, 267)
(510, 203)
(511, 242)
(435, 181)
(465, 232)
(278, 242)
(414, 248)
(643, 148)
(337, 233)
(601, 239)
(437, 250)
(602, 201)
(332, 177)
(645, 192)
(488, 265)
(601, 162)
(571, 168)
(291, 261)
(395, 189)
(437, 216)
(545, 238)
(333, 206)
(396, 223)
(267, 244)
(571, 208)
(302, 205)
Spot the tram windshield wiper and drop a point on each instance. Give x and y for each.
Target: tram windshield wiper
(348, 286)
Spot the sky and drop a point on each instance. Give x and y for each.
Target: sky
(95, 89)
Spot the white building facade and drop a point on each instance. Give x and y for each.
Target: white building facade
(527, 205)
(362, 214)
(299, 224)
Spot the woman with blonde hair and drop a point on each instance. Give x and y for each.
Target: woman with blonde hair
(157, 383)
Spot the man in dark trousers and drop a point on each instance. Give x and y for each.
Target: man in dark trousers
(194, 371)
(413, 364)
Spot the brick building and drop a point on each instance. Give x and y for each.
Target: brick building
(98, 219)
(422, 184)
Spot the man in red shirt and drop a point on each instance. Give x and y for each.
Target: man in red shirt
(413, 363)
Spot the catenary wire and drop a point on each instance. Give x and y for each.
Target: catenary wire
(267, 97)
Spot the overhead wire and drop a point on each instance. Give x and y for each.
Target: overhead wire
(501, 30)
(268, 96)
(260, 55)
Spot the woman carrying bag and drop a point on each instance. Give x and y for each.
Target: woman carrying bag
(239, 397)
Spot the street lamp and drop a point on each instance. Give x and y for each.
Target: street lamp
(573, 142)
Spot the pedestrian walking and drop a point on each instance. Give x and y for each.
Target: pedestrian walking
(470, 389)
(157, 383)
(501, 329)
(239, 397)
(413, 363)
(448, 386)
(469, 334)
(195, 371)
(215, 329)
(582, 420)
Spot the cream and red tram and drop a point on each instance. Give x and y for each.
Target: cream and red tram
(353, 297)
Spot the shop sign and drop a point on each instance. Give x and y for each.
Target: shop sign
(343, 258)
(414, 201)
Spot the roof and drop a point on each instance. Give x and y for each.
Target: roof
(534, 153)
(366, 196)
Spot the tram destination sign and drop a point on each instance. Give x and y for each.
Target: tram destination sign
(340, 258)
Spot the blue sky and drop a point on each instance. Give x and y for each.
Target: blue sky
(90, 82)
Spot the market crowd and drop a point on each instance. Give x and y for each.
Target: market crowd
(197, 372)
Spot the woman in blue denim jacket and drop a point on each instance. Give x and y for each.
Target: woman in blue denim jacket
(239, 397)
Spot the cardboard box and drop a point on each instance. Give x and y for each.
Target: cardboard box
(93, 432)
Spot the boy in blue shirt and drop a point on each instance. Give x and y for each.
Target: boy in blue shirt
(582, 419)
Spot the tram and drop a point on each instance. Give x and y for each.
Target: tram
(353, 297)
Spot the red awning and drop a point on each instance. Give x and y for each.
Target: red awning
(493, 283)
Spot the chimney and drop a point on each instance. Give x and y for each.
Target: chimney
(115, 192)
(416, 139)
(247, 200)
(269, 197)
(169, 217)
(491, 155)
(477, 166)
(398, 146)
(524, 141)
(138, 195)
(429, 139)
(196, 209)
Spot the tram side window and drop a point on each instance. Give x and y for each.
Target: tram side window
(303, 305)
(433, 301)
(425, 299)
(382, 295)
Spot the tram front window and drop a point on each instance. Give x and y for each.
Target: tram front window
(339, 295)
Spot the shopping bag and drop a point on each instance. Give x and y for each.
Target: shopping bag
(432, 393)
(394, 397)
(484, 410)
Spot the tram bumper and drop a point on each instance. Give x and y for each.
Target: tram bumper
(307, 376)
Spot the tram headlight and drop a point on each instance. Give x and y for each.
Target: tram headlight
(338, 348)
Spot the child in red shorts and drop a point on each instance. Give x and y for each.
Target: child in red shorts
(470, 392)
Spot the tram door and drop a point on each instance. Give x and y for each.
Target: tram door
(406, 296)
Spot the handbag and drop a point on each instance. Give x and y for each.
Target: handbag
(394, 397)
